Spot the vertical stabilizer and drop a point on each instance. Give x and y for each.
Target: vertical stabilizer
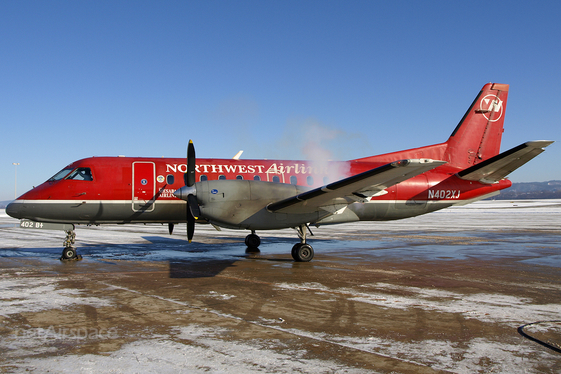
(478, 135)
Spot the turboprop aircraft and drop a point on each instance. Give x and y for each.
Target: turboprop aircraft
(276, 194)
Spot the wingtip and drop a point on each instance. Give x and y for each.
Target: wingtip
(539, 143)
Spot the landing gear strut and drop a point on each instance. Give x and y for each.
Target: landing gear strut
(69, 252)
(302, 252)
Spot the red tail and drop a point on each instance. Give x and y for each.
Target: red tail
(476, 138)
(478, 135)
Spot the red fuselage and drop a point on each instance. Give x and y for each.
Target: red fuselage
(124, 189)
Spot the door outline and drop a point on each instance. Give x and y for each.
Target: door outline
(143, 198)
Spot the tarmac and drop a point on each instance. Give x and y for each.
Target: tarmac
(464, 290)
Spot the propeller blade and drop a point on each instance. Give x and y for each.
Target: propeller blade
(193, 206)
(190, 229)
(189, 176)
(190, 220)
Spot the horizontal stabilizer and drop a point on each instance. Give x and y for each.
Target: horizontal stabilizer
(496, 168)
(348, 190)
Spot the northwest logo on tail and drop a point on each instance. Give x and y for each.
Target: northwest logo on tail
(491, 104)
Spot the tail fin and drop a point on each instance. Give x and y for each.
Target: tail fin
(478, 135)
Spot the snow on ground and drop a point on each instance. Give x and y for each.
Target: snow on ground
(202, 351)
(493, 308)
(19, 295)
(194, 348)
(197, 348)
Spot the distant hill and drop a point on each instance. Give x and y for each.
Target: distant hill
(531, 190)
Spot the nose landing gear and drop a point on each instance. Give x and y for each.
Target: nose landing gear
(69, 251)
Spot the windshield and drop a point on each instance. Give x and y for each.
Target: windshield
(61, 174)
(81, 174)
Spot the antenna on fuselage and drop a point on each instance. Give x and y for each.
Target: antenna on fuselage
(238, 155)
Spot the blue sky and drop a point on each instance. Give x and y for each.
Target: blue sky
(141, 78)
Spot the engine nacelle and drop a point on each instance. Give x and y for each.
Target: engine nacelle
(242, 204)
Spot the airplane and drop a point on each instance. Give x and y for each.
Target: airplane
(277, 194)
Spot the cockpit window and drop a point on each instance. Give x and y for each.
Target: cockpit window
(81, 174)
(61, 174)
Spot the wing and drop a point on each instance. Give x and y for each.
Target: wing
(359, 187)
(496, 168)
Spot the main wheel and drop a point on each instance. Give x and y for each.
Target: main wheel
(302, 252)
(68, 253)
(294, 251)
(252, 241)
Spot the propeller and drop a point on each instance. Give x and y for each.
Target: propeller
(189, 179)
(189, 192)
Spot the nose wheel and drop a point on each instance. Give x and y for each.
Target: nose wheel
(69, 251)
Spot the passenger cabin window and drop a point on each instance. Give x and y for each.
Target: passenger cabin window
(203, 178)
(239, 177)
(293, 180)
(310, 180)
(326, 180)
(276, 179)
(61, 174)
(170, 179)
(257, 178)
(81, 174)
(221, 177)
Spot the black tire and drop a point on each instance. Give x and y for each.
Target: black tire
(302, 252)
(68, 253)
(294, 251)
(252, 241)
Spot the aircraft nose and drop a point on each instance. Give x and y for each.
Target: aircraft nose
(14, 209)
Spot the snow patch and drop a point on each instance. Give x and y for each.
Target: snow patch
(19, 295)
(482, 306)
(203, 353)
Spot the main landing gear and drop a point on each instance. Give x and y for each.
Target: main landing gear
(69, 251)
(301, 252)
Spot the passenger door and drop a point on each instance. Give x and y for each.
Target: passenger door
(143, 186)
